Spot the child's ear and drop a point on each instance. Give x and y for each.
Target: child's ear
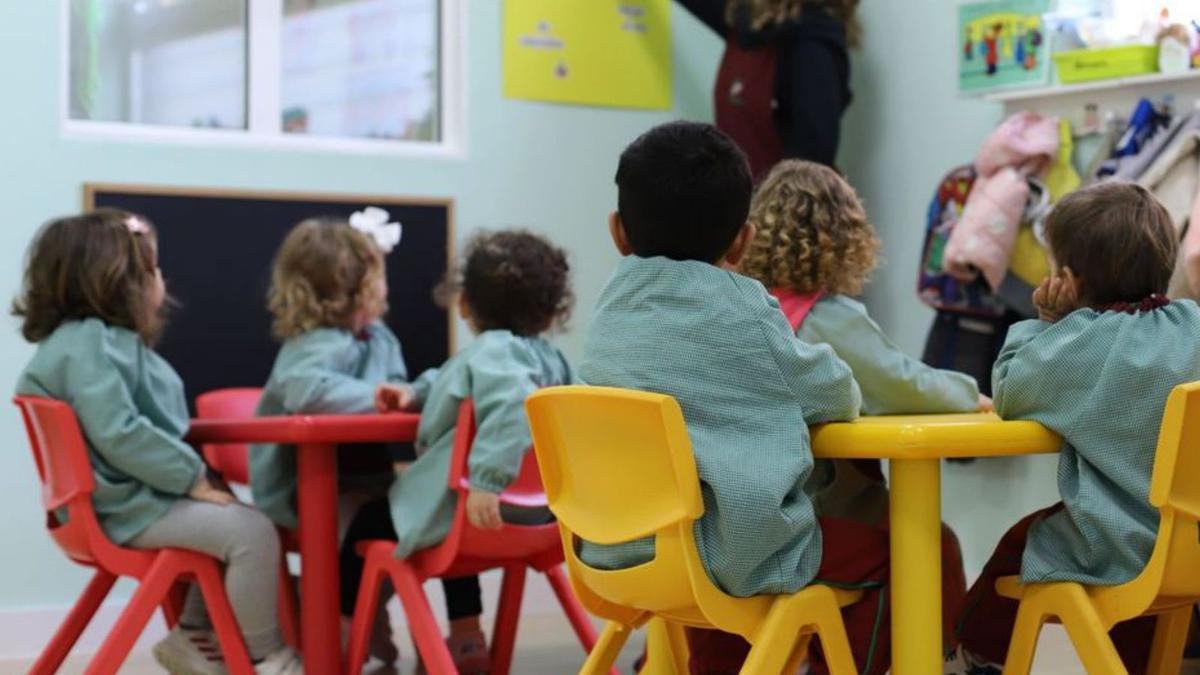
(616, 228)
(741, 244)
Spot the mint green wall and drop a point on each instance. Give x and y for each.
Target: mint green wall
(546, 167)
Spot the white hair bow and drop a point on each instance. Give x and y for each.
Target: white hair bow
(373, 222)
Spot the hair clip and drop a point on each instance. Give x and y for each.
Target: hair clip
(137, 225)
(373, 222)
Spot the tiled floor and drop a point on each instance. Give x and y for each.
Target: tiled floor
(547, 647)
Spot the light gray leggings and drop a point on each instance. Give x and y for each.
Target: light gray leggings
(246, 542)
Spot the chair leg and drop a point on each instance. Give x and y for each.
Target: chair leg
(508, 615)
(229, 634)
(576, 615)
(145, 600)
(1023, 646)
(365, 608)
(835, 644)
(607, 648)
(680, 654)
(172, 606)
(289, 607)
(799, 654)
(425, 631)
(72, 627)
(1170, 639)
(1090, 636)
(772, 646)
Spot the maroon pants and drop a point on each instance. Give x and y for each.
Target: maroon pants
(988, 618)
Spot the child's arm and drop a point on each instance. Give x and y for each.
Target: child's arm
(100, 386)
(1019, 382)
(892, 382)
(311, 381)
(821, 382)
(407, 396)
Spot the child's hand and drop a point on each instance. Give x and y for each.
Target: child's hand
(390, 397)
(483, 509)
(1055, 298)
(203, 491)
(985, 404)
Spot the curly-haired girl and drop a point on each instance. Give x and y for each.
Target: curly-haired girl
(328, 294)
(815, 249)
(511, 287)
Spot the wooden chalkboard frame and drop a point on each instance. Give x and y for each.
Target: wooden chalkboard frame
(91, 189)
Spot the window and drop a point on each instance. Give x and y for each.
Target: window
(373, 75)
(175, 64)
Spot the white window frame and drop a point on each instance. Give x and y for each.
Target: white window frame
(263, 112)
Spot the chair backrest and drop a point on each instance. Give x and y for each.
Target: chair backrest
(232, 460)
(1175, 490)
(618, 467)
(467, 542)
(617, 464)
(65, 472)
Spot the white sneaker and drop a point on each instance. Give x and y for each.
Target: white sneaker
(190, 652)
(284, 661)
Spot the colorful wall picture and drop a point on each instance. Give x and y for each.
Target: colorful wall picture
(614, 53)
(1002, 44)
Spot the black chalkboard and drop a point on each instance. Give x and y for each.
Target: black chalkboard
(216, 248)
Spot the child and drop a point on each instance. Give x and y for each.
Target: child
(512, 287)
(328, 294)
(814, 249)
(1096, 368)
(92, 300)
(674, 319)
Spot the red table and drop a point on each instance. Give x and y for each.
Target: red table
(316, 437)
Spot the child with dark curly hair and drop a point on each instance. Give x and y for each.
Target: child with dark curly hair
(511, 288)
(815, 249)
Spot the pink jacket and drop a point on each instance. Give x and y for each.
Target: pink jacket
(1023, 146)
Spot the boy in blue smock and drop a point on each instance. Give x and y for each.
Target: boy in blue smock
(1096, 367)
(675, 319)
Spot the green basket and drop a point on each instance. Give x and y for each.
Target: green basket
(1083, 65)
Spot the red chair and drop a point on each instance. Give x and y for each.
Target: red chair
(67, 483)
(467, 551)
(232, 461)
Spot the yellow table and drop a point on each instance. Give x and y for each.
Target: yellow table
(914, 447)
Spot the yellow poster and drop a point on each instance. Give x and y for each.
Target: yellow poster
(613, 53)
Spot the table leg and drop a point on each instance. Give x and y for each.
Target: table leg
(320, 608)
(916, 579)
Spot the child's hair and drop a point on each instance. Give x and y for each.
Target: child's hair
(767, 13)
(513, 280)
(100, 264)
(1117, 238)
(813, 233)
(322, 276)
(683, 192)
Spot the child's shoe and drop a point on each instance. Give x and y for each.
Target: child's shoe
(963, 662)
(283, 661)
(187, 651)
(470, 654)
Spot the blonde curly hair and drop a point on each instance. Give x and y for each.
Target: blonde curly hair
(813, 233)
(324, 274)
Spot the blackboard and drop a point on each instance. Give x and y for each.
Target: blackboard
(216, 248)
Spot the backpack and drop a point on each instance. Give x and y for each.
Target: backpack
(936, 288)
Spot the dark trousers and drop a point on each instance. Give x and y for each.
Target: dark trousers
(374, 521)
(987, 622)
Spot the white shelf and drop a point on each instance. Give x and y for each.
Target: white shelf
(1061, 90)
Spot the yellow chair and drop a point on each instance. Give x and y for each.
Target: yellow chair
(1169, 586)
(617, 466)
